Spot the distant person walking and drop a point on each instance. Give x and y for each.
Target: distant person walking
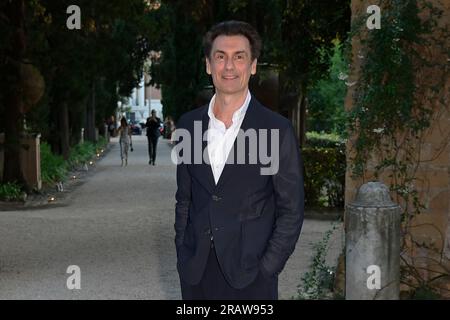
(153, 125)
(111, 126)
(125, 140)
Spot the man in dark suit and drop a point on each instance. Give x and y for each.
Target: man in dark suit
(237, 219)
(153, 124)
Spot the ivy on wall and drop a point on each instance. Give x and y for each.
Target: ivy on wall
(394, 106)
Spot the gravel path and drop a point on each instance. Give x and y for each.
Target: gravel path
(117, 227)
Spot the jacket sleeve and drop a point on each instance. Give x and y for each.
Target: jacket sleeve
(289, 205)
(183, 201)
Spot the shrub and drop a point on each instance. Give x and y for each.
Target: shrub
(317, 283)
(101, 142)
(53, 167)
(425, 293)
(81, 153)
(10, 191)
(324, 166)
(324, 140)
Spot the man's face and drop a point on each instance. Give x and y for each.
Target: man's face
(230, 64)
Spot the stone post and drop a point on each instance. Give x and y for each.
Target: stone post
(372, 239)
(2, 154)
(30, 159)
(82, 136)
(107, 137)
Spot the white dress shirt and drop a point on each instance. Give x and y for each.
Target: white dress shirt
(220, 139)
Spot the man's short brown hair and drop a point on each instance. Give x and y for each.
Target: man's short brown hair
(233, 28)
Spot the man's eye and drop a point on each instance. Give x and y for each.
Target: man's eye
(239, 57)
(220, 57)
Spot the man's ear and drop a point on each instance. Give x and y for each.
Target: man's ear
(254, 63)
(208, 66)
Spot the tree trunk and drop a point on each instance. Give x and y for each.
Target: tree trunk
(77, 116)
(298, 116)
(287, 98)
(293, 105)
(13, 99)
(63, 124)
(302, 116)
(90, 116)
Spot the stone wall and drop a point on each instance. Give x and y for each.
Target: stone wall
(432, 227)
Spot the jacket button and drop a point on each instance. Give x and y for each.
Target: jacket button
(216, 198)
(216, 229)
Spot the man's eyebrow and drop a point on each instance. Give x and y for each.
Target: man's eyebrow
(237, 52)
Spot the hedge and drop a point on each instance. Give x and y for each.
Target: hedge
(324, 169)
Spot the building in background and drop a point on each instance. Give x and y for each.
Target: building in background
(143, 99)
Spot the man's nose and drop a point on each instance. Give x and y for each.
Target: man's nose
(229, 65)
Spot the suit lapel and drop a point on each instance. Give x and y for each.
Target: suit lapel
(249, 121)
(205, 167)
(205, 174)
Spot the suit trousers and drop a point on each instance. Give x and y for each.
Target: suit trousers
(152, 144)
(213, 286)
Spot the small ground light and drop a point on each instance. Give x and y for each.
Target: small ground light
(98, 155)
(74, 177)
(91, 163)
(51, 199)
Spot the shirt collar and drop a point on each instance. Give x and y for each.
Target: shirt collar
(239, 113)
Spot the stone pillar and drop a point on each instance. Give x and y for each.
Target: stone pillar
(2, 154)
(82, 136)
(30, 159)
(107, 137)
(30, 156)
(372, 239)
(141, 93)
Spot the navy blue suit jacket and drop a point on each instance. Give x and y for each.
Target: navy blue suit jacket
(255, 219)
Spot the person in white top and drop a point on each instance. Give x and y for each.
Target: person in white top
(125, 140)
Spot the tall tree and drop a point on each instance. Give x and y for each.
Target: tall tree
(179, 70)
(308, 30)
(109, 48)
(85, 70)
(14, 52)
(297, 37)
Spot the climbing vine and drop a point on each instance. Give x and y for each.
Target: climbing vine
(395, 101)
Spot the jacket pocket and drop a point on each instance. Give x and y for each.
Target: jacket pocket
(256, 203)
(250, 263)
(189, 237)
(266, 274)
